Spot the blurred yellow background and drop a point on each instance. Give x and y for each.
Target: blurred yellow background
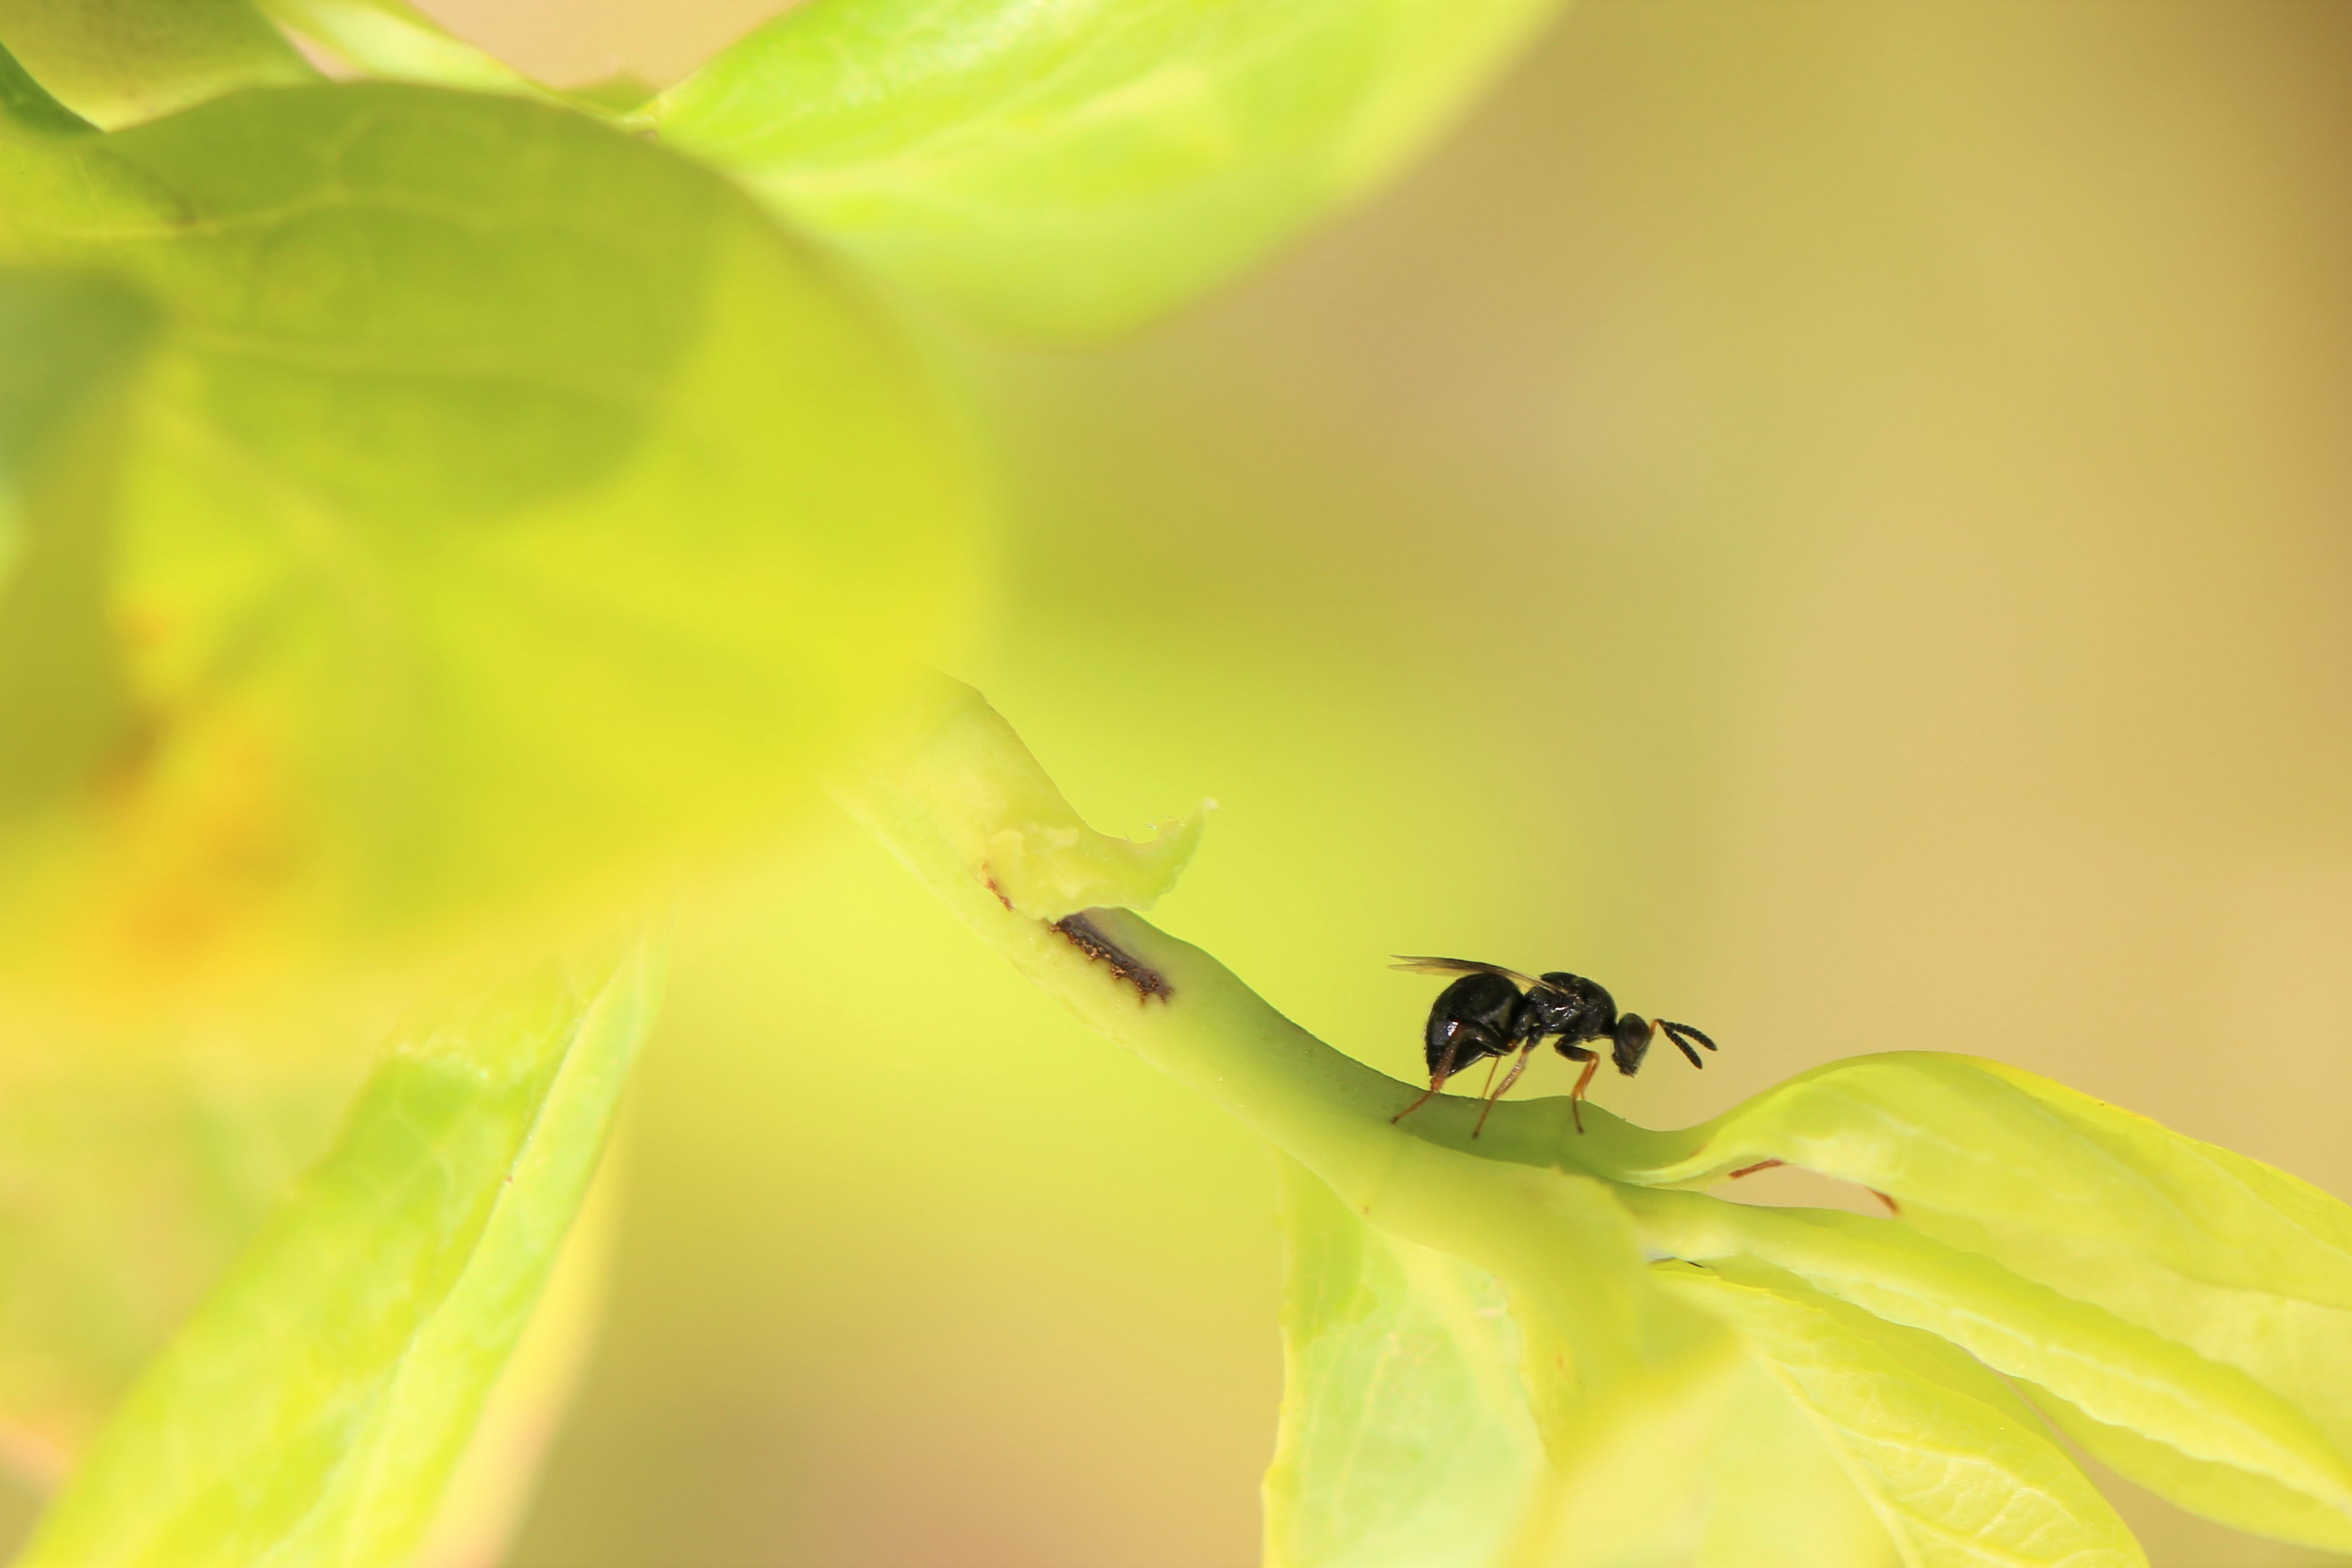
(1834, 518)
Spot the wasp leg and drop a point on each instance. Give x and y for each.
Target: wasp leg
(1445, 1069)
(1576, 1094)
(1485, 1089)
(1436, 1081)
(1517, 1067)
(1675, 1032)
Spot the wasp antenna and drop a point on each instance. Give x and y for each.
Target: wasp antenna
(1698, 1035)
(1675, 1032)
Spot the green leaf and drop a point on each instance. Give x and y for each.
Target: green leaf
(1081, 166)
(2244, 1269)
(312, 1409)
(513, 508)
(488, 1495)
(118, 62)
(24, 104)
(68, 347)
(2117, 1371)
(133, 1177)
(1627, 1487)
(1406, 1439)
(1777, 1495)
(1687, 1457)
(1959, 1472)
(2246, 1499)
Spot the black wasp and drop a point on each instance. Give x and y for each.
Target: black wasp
(1493, 1012)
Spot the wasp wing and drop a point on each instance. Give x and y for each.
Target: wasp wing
(1462, 966)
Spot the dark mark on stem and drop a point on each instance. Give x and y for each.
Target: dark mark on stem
(1891, 1206)
(1080, 933)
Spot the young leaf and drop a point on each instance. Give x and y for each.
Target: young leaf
(514, 505)
(1958, 1471)
(2246, 1499)
(1777, 1495)
(129, 60)
(2239, 1264)
(1406, 1440)
(312, 1410)
(1408, 1437)
(2116, 1371)
(1078, 167)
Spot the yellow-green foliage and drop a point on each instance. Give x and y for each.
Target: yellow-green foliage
(2178, 1308)
(434, 510)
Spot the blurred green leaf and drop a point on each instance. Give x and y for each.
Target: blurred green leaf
(490, 1491)
(512, 505)
(1958, 1468)
(1078, 167)
(1406, 1438)
(127, 1182)
(24, 103)
(397, 42)
(313, 1408)
(2246, 1270)
(68, 347)
(118, 62)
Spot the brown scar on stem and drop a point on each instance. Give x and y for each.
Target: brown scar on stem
(1891, 1206)
(1080, 933)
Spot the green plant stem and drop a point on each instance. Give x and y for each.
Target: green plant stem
(1517, 1202)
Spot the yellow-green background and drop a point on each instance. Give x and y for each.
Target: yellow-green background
(1833, 517)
